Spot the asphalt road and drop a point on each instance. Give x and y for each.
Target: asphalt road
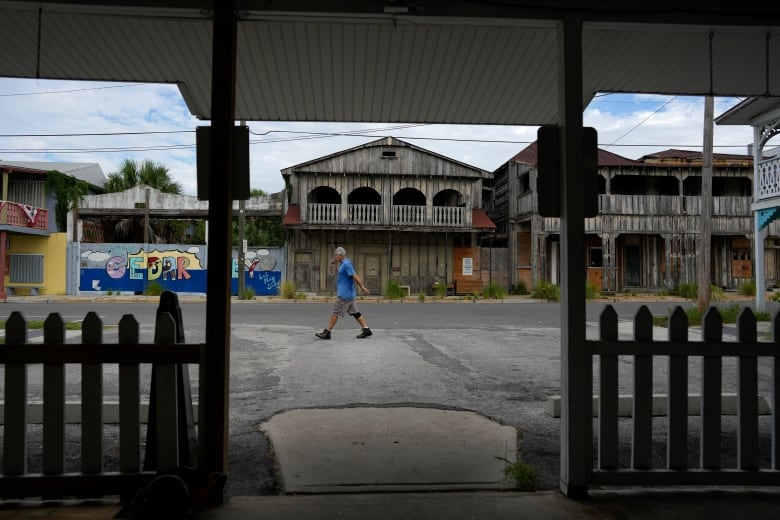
(499, 360)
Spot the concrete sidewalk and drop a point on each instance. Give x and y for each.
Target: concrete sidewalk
(348, 450)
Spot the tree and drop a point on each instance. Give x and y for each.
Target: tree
(68, 191)
(260, 231)
(154, 175)
(148, 173)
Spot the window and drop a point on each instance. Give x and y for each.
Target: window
(595, 258)
(388, 154)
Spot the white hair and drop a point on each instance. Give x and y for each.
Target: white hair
(341, 251)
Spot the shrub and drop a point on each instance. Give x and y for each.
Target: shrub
(520, 288)
(441, 289)
(547, 291)
(689, 291)
(493, 291)
(747, 288)
(591, 291)
(153, 289)
(523, 475)
(421, 296)
(287, 290)
(247, 294)
(393, 291)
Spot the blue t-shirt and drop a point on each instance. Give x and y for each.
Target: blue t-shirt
(345, 285)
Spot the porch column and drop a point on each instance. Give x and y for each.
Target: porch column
(608, 262)
(215, 361)
(3, 237)
(668, 260)
(576, 363)
(758, 237)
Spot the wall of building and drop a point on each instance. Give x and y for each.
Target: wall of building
(130, 268)
(53, 249)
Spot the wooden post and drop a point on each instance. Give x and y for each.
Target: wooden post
(215, 365)
(576, 361)
(704, 259)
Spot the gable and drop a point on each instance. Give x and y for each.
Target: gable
(388, 156)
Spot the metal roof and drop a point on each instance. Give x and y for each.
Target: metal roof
(465, 170)
(426, 61)
(91, 173)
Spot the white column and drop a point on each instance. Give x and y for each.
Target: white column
(758, 240)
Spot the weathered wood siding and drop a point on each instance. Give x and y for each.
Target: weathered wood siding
(414, 259)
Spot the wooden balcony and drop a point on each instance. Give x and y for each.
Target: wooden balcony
(374, 215)
(640, 206)
(20, 215)
(768, 180)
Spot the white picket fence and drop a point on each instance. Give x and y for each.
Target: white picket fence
(712, 351)
(94, 480)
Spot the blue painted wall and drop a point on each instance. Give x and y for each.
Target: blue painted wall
(129, 268)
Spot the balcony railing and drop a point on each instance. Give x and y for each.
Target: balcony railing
(21, 215)
(400, 215)
(325, 213)
(444, 216)
(365, 214)
(768, 172)
(408, 215)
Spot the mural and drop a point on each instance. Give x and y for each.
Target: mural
(130, 268)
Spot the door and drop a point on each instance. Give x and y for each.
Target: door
(302, 268)
(371, 273)
(632, 277)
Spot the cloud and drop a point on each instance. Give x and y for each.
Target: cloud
(631, 125)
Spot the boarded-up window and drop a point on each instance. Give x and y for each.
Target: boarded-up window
(26, 268)
(524, 249)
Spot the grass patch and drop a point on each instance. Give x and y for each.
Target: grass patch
(591, 291)
(287, 290)
(728, 314)
(247, 294)
(440, 290)
(547, 291)
(522, 475)
(494, 291)
(393, 291)
(153, 289)
(747, 288)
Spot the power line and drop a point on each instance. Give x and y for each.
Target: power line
(18, 94)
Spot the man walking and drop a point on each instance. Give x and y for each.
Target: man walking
(345, 290)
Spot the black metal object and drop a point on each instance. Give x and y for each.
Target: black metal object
(188, 441)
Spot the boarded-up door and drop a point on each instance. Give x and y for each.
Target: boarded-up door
(632, 276)
(302, 267)
(373, 272)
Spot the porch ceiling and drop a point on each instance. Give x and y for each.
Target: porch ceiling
(400, 61)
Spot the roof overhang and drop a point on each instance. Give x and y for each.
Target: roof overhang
(423, 61)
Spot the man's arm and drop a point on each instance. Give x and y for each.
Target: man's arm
(359, 282)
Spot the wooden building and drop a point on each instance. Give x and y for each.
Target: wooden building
(645, 236)
(403, 213)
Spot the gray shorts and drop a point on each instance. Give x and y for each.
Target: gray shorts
(342, 307)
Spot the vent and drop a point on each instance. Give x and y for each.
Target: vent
(26, 268)
(389, 154)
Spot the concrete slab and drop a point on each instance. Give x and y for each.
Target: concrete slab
(389, 449)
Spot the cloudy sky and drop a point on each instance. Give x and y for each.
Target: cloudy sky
(44, 120)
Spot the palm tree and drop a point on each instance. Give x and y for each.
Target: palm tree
(154, 175)
(148, 173)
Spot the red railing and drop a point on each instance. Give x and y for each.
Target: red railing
(15, 214)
